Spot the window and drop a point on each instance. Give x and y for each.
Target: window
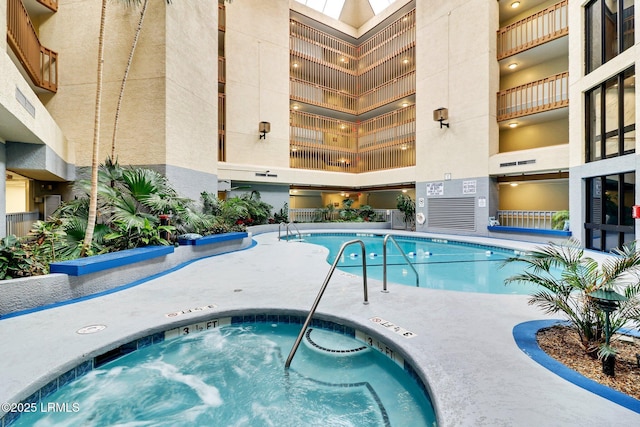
(609, 30)
(610, 121)
(609, 202)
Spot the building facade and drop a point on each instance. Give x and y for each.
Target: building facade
(476, 109)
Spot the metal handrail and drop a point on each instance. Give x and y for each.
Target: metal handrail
(287, 229)
(384, 262)
(322, 289)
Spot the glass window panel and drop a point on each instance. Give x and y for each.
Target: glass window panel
(611, 117)
(628, 26)
(316, 4)
(594, 125)
(629, 237)
(593, 34)
(611, 199)
(379, 5)
(610, 28)
(333, 8)
(595, 240)
(629, 131)
(629, 197)
(611, 240)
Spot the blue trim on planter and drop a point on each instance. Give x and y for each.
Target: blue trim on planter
(504, 229)
(525, 337)
(214, 238)
(93, 264)
(119, 288)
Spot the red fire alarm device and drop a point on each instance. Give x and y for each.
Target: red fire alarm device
(635, 211)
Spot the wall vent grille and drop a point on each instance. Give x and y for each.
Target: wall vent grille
(455, 213)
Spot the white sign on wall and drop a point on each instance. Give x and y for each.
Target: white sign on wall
(435, 189)
(469, 187)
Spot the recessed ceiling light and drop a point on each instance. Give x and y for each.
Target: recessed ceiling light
(295, 65)
(515, 4)
(405, 61)
(512, 66)
(514, 184)
(513, 125)
(296, 106)
(405, 104)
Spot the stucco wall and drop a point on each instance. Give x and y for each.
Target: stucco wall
(456, 69)
(257, 52)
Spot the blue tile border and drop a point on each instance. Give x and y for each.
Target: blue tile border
(543, 231)
(85, 367)
(446, 241)
(525, 337)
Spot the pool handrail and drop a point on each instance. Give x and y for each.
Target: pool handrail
(287, 229)
(384, 262)
(323, 288)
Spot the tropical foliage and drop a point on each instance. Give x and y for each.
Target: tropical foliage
(407, 206)
(566, 278)
(135, 207)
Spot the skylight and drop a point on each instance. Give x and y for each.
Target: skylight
(333, 8)
(380, 5)
(330, 8)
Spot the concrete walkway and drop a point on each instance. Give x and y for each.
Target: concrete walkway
(464, 348)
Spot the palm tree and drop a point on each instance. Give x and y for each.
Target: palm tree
(566, 278)
(93, 198)
(134, 44)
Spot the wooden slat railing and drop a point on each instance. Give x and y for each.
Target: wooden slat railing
(51, 4)
(222, 120)
(222, 75)
(542, 95)
(40, 63)
(546, 25)
(222, 17)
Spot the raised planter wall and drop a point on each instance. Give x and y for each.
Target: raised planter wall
(75, 279)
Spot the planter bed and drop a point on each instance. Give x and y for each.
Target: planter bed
(74, 280)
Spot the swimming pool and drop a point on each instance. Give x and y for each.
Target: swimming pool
(440, 263)
(234, 375)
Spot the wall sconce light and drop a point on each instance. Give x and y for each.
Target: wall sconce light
(440, 115)
(264, 128)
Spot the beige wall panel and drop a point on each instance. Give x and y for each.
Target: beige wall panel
(257, 52)
(544, 196)
(141, 129)
(143, 103)
(537, 72)
(535, 136)
(3, 24)
(456, 69)
(18, 124)
(192, 81)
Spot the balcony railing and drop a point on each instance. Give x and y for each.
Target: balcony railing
(222, 17)
(51, 4)
(222, 120)
(19, 224)
(319, 215)
(221, 69)
(40, 63)
(546, 25)
(535, 97)
(526, 219)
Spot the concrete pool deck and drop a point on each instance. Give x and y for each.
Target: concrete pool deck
(464, 347)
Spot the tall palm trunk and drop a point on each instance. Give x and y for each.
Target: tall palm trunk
(143, 12)
(93, 198)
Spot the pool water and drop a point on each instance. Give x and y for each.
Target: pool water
(235, 376)
(440, 263)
